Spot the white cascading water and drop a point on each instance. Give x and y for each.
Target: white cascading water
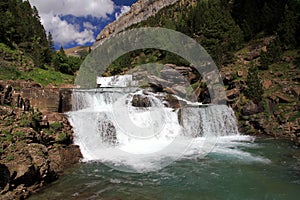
(110, 130)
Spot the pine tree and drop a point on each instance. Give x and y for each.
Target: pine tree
(51, 42)
(218, 32)
(287, 28)
(254, 90)
(272, 55)
(60, 62)
(50, 50)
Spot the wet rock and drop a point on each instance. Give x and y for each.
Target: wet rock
(173, 102)
(204, 97)
(108, 132)
(140, 101)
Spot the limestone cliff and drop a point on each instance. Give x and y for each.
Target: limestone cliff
(139, 11)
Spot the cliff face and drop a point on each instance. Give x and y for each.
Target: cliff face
(35, 147)
(139, 11)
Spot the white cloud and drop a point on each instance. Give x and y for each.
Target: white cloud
(63, 32)
(124, 9)
(88, 25)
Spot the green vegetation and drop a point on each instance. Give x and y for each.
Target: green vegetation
(65, 64)
(25, 121)
(272, 55)
(254, 90)
(21, 29)
(8, 136)
(221, 27)
(19, 135)
(27, 52)
(143, 56)
(294, 117)
(10, 157)
(62, 137)
(45, 77)
(56, 126)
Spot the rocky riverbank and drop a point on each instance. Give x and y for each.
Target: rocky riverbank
(35, 146)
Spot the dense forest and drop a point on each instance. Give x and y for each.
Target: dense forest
(222, 27)
(24, 39)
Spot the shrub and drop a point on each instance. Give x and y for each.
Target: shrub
(57, 126)
(62, 137)
(254, 90)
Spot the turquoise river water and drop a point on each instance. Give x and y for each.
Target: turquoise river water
(252, 169)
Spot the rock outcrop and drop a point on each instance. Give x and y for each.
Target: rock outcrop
(139, 11)
(25, 94)
(35, 147)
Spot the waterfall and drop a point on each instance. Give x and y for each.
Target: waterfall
(213, 120)
(109, 129)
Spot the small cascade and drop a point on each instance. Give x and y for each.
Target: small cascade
(111, 128)
(213, 120)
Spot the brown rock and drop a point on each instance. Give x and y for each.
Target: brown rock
(154, 80)
(65, 100)
(140, 101)
(44, 99)
(282, 98)
(296, 92)
(62, 157)
(168, 90)
(267, 84)
(180, 90)
(173, 102)
(231, 94)
(52, 117)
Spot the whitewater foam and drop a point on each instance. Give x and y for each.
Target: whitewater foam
(151, 138)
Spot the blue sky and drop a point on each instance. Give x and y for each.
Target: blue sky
(78, 22)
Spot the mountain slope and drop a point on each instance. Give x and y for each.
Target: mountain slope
(139, 11)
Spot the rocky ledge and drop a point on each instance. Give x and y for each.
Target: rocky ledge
(35, 147)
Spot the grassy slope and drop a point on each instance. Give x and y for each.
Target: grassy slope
(14, 65)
